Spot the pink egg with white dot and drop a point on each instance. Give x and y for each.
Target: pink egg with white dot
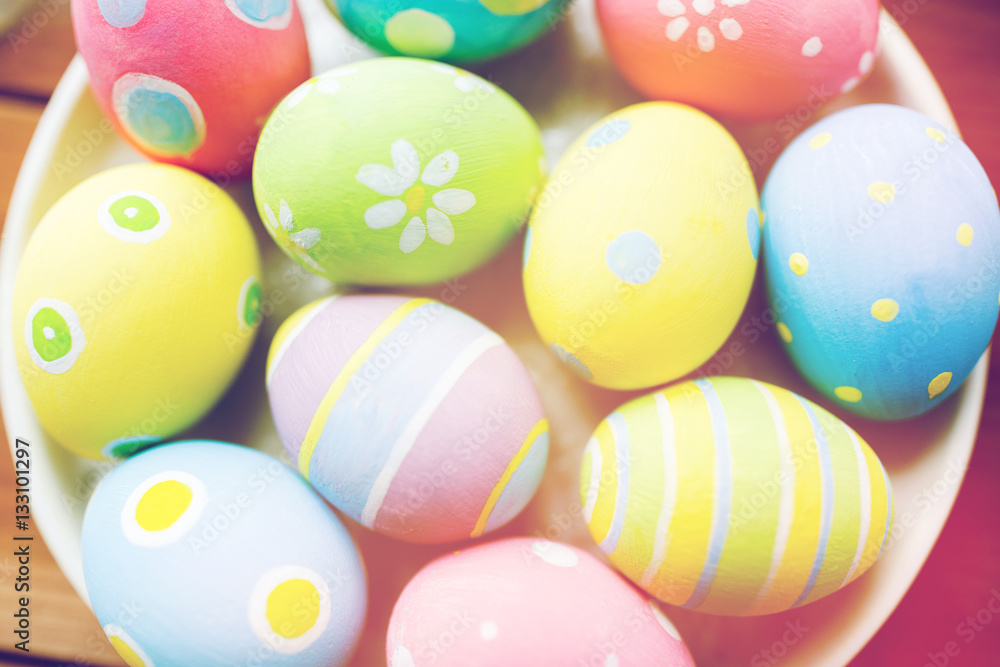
(528, 601)
(742, 58)
(188, 82)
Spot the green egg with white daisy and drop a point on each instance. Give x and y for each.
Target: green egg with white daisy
(396, 171)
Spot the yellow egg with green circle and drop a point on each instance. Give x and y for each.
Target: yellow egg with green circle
(136, 302)
(641, 250)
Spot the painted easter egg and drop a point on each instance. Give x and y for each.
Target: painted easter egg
(738, 58)
(526, 601)
(136, 302)
(191, 82)
(733, 496)
(452, 30)
(358, 192)
(883, 259)
(641, 252)
(207, 553)
(409, 416)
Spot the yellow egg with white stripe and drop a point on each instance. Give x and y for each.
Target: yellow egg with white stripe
(732, 496)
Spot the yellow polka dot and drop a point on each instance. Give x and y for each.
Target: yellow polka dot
(162, 505)
(415, 32)
(964, 234)
(130, 657)
(885, 310)
(849, 394)
(798, 263)
(936, 134)
(760, 216)
(293, 608)
(820, 140)
(784, 332)
(882, 191)
(512, 7)
(938, 385)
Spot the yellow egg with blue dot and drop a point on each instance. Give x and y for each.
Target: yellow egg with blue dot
(451, 30)
(882, 244)
(641, 250)
(731, 496)
(209, 553)
(136, 302)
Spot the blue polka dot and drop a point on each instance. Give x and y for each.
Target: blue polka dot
(122, 13)
(753, 232)
(262, 10)
(162, 121)
(609, 132)
(574, 364)
(633, 257)
(527, 249)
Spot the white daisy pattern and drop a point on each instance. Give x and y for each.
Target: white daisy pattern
(729, 28)
(409, 197)
(299, 241)
(464, 81)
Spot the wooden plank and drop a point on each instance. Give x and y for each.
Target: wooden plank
(18, 120)
(36, 50)
(62, 627)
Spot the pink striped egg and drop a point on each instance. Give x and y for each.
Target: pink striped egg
(525, 601)
(731, 496)
(409, 416)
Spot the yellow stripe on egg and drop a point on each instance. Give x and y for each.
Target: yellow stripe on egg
(797, 559)
(846, 509)
(289, 331)
(688, 531)
(754, 508)
(541, 427)
(646, 471)
(604, 505)
(351, 366)
(879, 510)
(668, 502)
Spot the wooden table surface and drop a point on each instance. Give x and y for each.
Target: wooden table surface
(945, 619)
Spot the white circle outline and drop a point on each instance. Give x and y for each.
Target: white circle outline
(126, 638)
(138, 535)
(123, 88)
(257, 609)
(77, 338)
(242, 303)
(109, 225)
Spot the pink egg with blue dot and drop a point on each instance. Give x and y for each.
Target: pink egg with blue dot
(528, 601)
(208, 553)
(409, 416)
(188, 82)
(882, 247)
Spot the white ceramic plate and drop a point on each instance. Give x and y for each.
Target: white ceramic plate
(566, 82)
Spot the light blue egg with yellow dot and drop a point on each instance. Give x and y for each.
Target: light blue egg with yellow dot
(882, 244)
(450, 30)
(238, 557)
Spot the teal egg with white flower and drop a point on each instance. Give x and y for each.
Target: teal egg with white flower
(452, 30)
(396, 171)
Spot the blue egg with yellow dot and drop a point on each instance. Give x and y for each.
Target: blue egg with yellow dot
(882, 258)
(208, 553)
(451, 30)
